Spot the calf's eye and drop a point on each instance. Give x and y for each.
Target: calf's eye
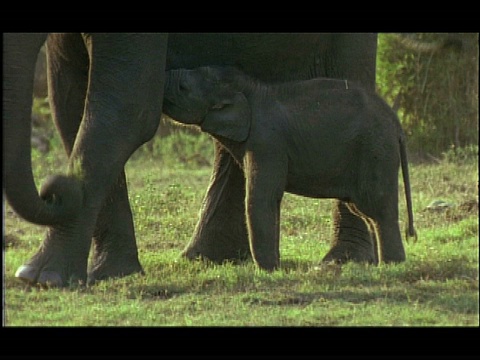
(218, 106)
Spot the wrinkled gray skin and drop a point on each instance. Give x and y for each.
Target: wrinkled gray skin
(319, 138)
(106, 95)
(94, 84)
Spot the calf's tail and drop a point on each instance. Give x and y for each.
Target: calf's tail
(410, 232)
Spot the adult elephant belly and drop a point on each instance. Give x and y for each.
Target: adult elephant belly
(269, 57)
(221, 233)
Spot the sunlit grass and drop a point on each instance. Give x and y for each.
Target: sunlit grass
(436, 286)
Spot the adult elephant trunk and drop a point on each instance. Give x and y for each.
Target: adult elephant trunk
(60, 196)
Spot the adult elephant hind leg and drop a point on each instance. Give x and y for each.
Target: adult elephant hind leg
(138, 82)
(221, 232)
(114, 246)
(60, 261)
(121, 113)
(115, 252)
(62, 258)
(352, 239)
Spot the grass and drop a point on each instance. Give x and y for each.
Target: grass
(436, 286)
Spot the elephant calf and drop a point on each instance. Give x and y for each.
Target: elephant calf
(319, 138)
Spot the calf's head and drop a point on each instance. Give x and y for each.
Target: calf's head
(210, 97)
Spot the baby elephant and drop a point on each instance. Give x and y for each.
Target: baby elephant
(319, 138)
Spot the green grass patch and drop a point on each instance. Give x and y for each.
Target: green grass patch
(436, 286)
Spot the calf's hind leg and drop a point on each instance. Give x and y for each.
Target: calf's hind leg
(353, 240)
(383, 214)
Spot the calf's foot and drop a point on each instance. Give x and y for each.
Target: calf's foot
(343, 252)
(352, 238)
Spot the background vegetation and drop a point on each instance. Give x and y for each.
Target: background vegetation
(167, 178)
(435, 92)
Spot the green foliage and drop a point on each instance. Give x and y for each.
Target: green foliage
(180, 148)
(436, 92)
(43, 128)
(41, 108)
(461, 155)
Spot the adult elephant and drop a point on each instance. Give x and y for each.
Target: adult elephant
(106, 92)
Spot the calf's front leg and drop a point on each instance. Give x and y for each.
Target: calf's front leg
(264, 192)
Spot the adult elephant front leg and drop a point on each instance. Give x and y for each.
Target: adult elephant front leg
(122, 112)
(114, 246)
(221, 232)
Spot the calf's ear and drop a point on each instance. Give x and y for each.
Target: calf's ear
(231, 121)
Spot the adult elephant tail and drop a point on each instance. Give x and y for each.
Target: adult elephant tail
(61, 196)
(410, 232)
